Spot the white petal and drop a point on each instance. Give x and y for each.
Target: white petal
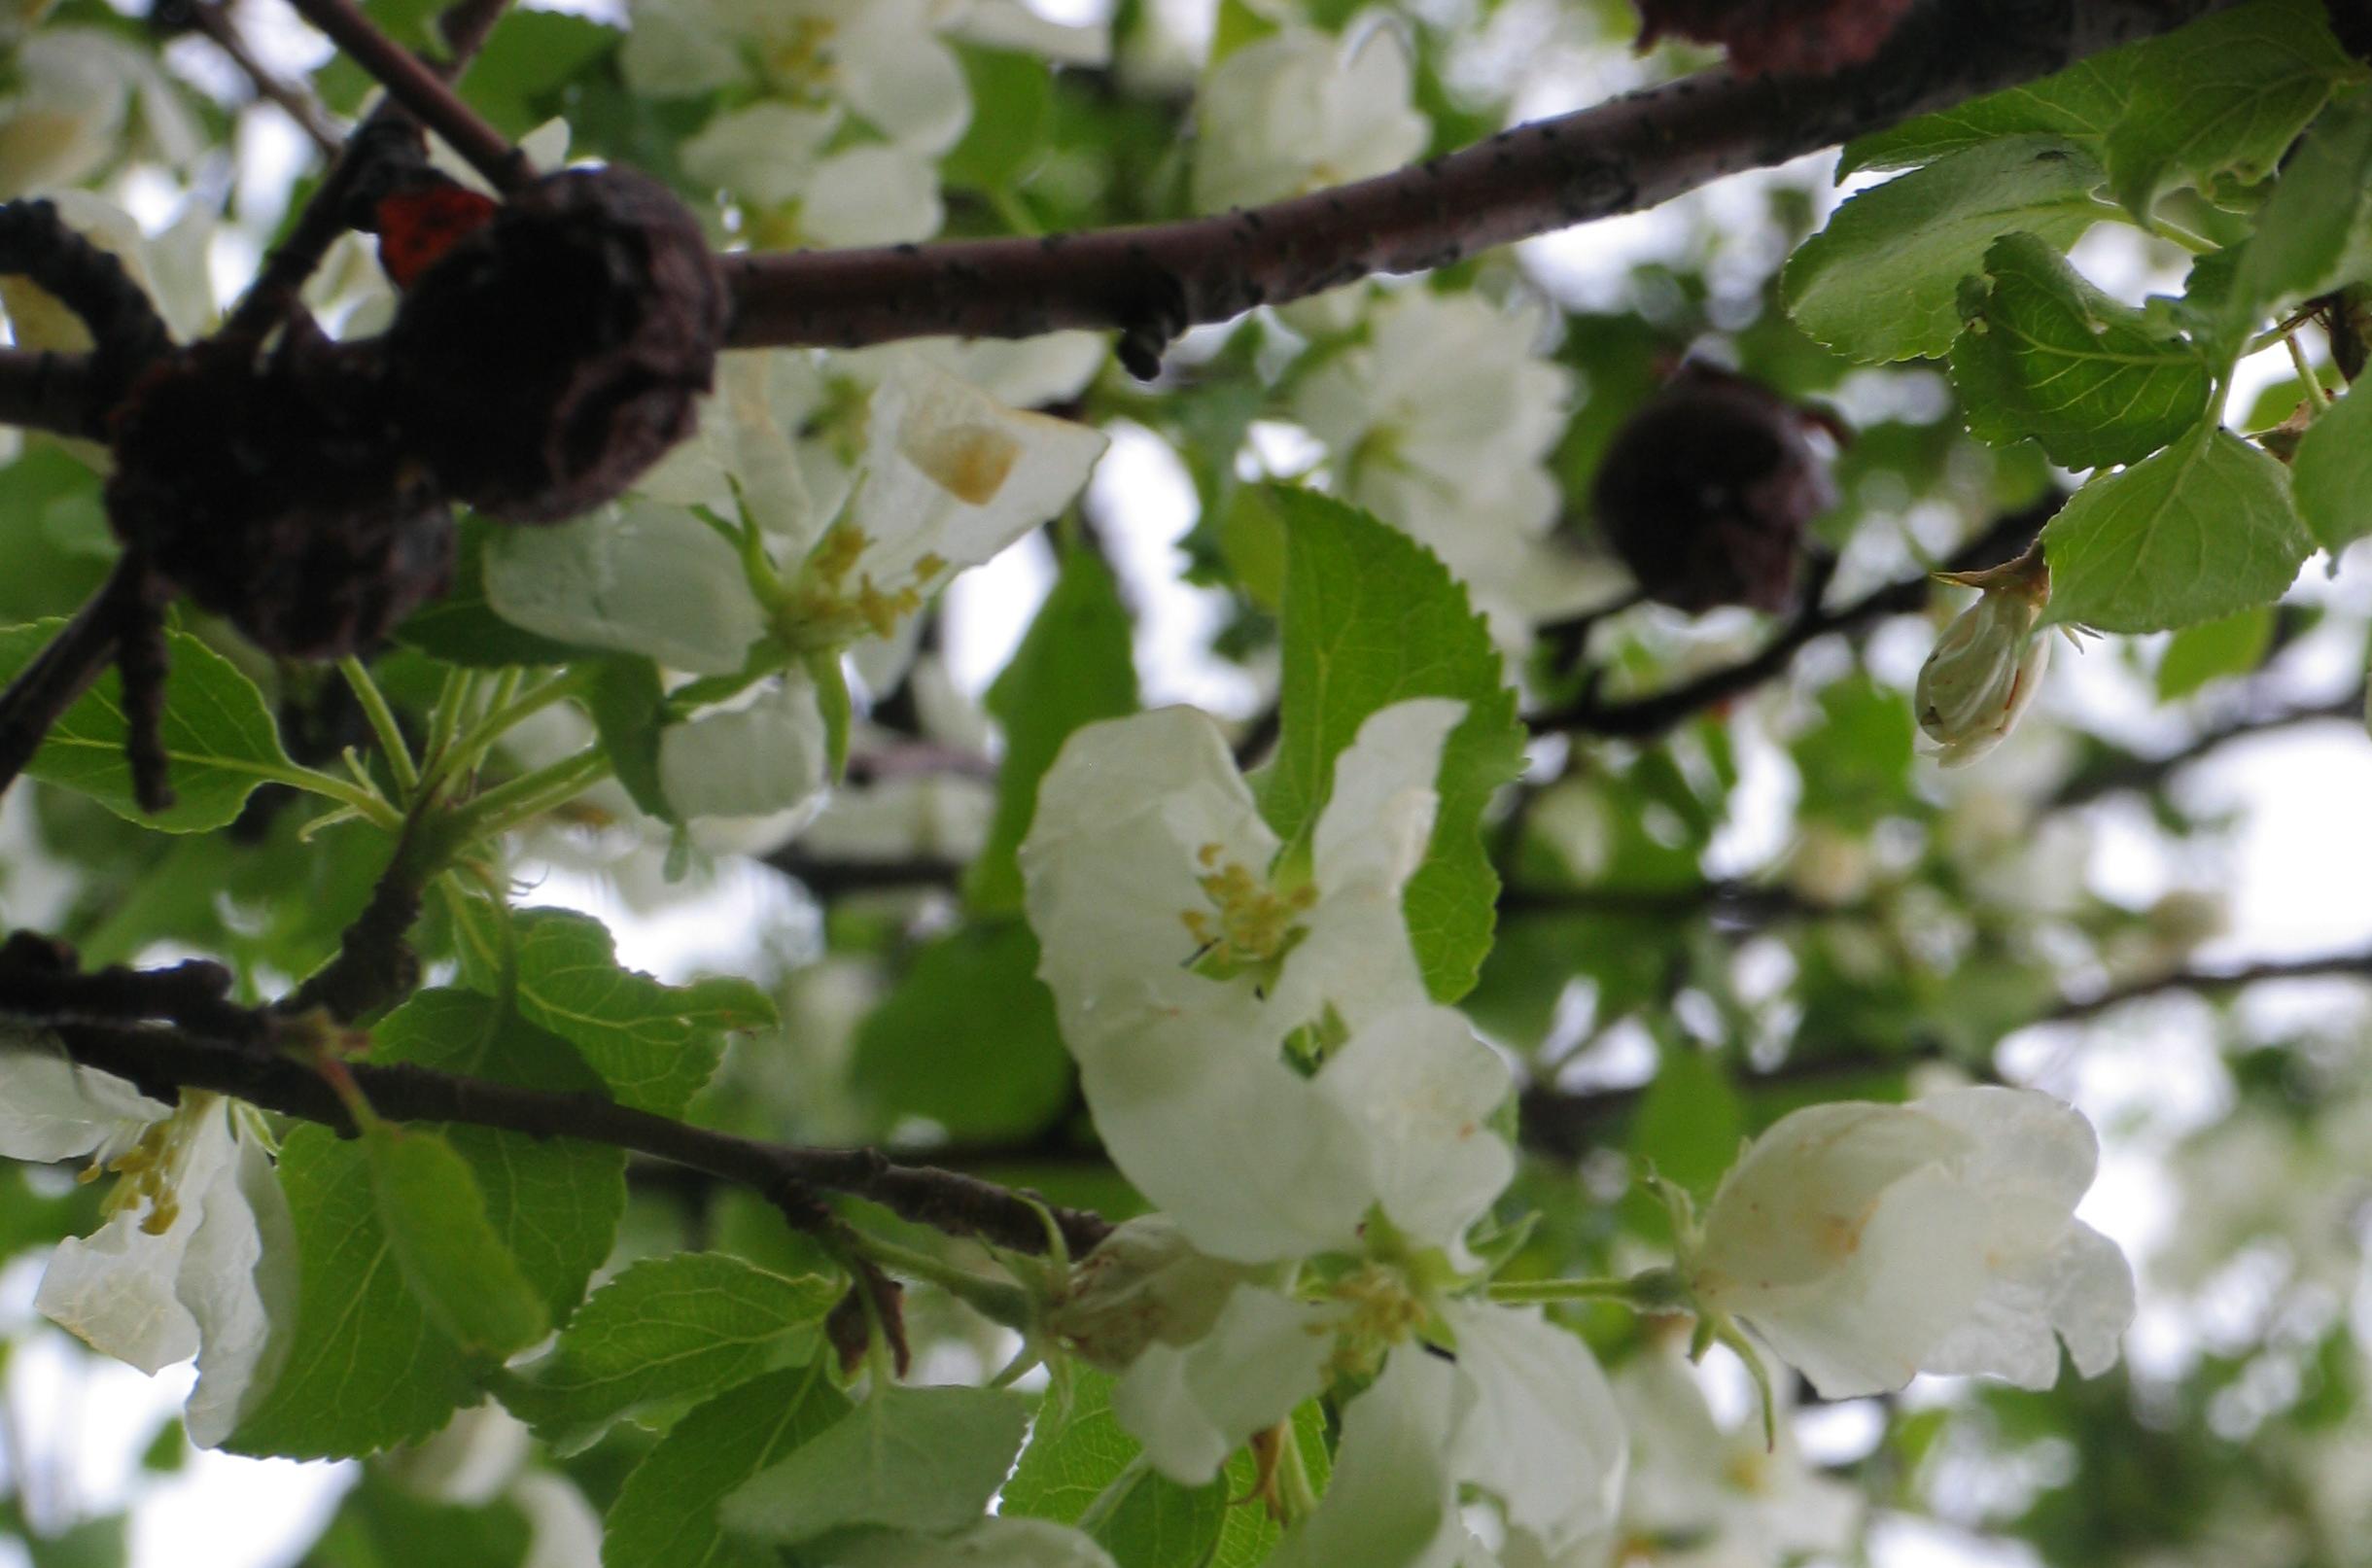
(1900, 1282)
(1791, 1209)
(638, 578)
(951, 474)
(1393, 1500)
(765, 153)
(1110, 864)
(1543, 1432)
(872, 195)
(1008, 24)
(1381, 813)
(903, 79)
(1191, 1407)
(769, 756)
(2080, 1291)
(1420, 1087)
(567, 1532)
(1201, 1114)
(238, 1282)
(52, 1109)
(677, 48)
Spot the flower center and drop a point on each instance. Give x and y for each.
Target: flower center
(148, 1172)
(1382, 1310)
(826, 609)
(796, 60)
(1250, 925)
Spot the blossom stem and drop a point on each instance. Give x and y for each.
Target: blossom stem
(382, 724)
(2315, 397)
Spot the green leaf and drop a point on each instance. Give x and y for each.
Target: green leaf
(2204, 528)
(1690, 1122)
(968, 1039)
(1373, 618)
(379, 1525)
(665, 1515)
(2332, 473)
(527, 59)
(915, 1458)
(2047, 355)
(2080, 104)
(2316, 230)
(217, 732)
(436, 1229)
(1072, 669)
(654, 1045)
(1240, 24)
(366, 1368)
(663, 1332)
(1880, 281)
(628, 708)
(1012, 107)
(2234, 645)
(2225, 95)
(1082, 1469)
(1855, 761)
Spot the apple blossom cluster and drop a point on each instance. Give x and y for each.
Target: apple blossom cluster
(1263, 1062)
(848, 105)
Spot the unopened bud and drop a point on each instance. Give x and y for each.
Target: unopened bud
(1144, 1285)
(1989, 662)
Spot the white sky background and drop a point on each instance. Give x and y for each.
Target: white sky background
(2296, 877)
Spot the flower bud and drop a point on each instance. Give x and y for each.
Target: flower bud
(1144, 1284)
(1989, 662)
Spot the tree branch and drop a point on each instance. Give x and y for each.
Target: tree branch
(2148, 773)
(1622, 155)
(1657, 713)
(420, 90)
(206, 1042)
(41, 389)
(2212, 980)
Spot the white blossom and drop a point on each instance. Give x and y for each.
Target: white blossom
(1866, 1242)
(198, 1256)
(1441, 424)
(1182, 963)
(78, 93)
(947, 478)
(1720, 1497)
(1301, 110)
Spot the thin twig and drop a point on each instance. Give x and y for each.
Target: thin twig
(280, 281)
(1647, 716)
(1627, 153)
(210, 18)
(2143, 773)
(43, 390)
(2212, 980)
(422, 90)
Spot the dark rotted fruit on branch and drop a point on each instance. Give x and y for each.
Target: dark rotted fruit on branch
(546, 360)
(1706, 490)
(1778, 37)
(279, 496)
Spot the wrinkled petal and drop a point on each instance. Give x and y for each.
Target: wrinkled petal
(1191, 1407)
(872, 195)
(238, 1283)
(769, 756)
(2079, 1292)
(52, 1108)
(953, 476)
(1543, 1432)
(765, 153)
(1126, 817)
(1420, 1087)
(635, 578)
(1199, 1111)
(1393, 1500)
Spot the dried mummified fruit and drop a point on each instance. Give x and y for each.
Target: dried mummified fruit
(279, 495)
(1778, 37)
(544, 361)
(1707, 491)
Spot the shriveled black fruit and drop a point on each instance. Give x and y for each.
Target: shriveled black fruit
(541, 364)
(1706, 490)
(278, 495)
